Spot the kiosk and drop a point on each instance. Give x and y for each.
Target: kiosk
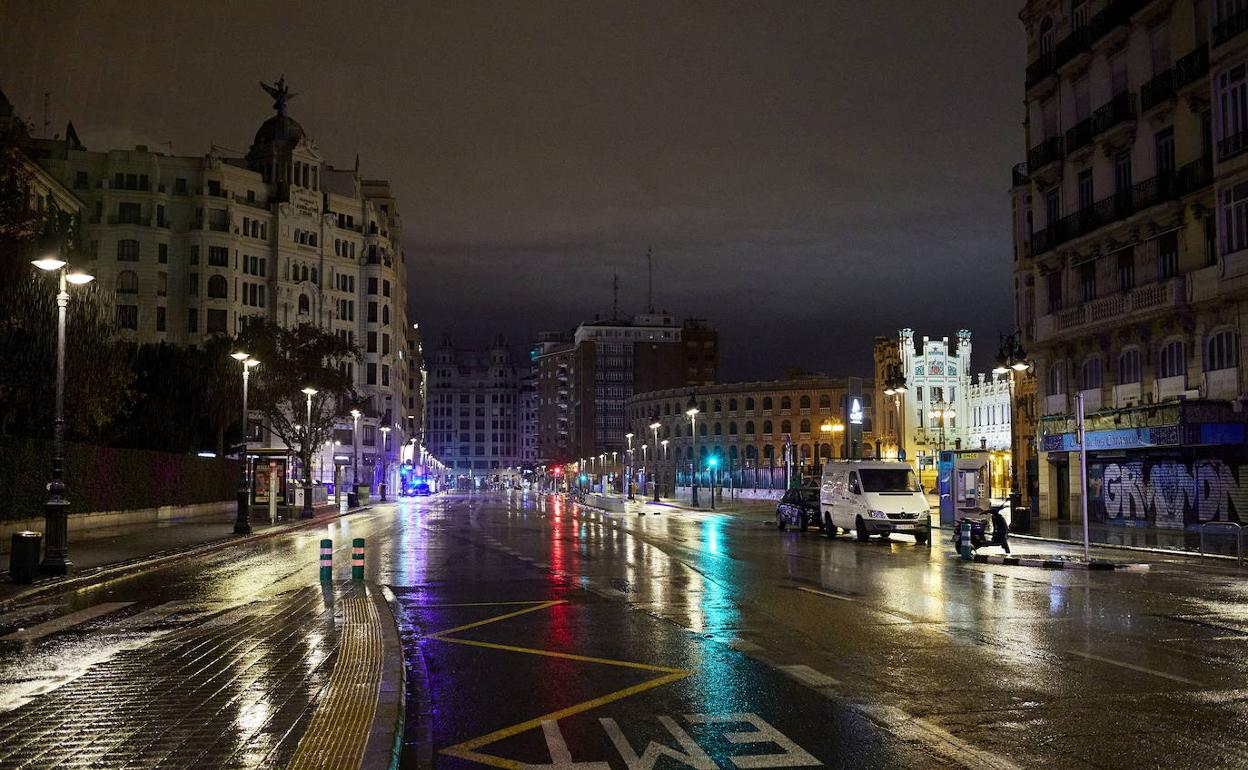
(962, 480)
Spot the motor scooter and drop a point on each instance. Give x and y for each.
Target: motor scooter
(980, 535)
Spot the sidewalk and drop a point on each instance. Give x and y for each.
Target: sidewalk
(132, 546)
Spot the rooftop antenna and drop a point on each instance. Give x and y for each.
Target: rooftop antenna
(47, 101)
(615, 297)
(650, 279)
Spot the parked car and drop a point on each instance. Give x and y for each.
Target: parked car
(798, 508)
(421, 489)
(873, 498)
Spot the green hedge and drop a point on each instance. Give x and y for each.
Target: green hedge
(106, 479)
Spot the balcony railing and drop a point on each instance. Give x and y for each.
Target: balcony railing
(1231, 26)
(1232, 145)
(1191, 67)
(1116, 308)
(1159, 89)
(1018, 175)
(1119, 110)
(1079, 136)
(1116, 13)
(1151, 192)
(1048, 151)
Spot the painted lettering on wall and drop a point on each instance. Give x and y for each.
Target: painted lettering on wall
(1171, 494)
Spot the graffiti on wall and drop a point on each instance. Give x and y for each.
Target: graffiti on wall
(1168, 493)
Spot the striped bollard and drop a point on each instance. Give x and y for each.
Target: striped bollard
(357, 559)
(966, 540)
(327, 561)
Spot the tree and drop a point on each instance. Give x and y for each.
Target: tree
(290, 361)
(97, 376)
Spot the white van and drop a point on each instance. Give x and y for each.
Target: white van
(873, 498)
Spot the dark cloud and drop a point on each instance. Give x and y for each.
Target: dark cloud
(809, 174)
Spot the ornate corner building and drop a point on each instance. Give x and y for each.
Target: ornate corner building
(1131, 252)
(195, 246)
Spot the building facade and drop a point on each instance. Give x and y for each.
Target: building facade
(553, 360)
(1131, 243)
(749, 424)
(196, 246)
(474, 411)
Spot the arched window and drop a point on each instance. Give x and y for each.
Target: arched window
(702, 429)
(766, 426)
(805, 426)
(1174, 359)
(1057, 378)
(1046, 36)
(769, 452)
(732, 453)
(749, 427)
(719, 429)
(786, 402)
(732, 429)
(1129, 366)
(305, 307)
(719, 406)
(767, 402)
(218, 287)
(385, 314)
(825, 402)
(702, 407)
(1090, 374)
(732, 405)
(804, 402)
(1078, 14)
(314, 275)
(128, 282)
(751, 452)
(303, 276)
(786, 426)
(1222, 351)
(749, 405)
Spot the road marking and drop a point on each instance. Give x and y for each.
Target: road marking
(692, 756)
(560, 756)
(825, 593)
(1133, 667)
(808, 675)
(468, 749)
(946, 744)
(63, 622)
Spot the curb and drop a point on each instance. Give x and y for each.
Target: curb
(1136, 548)
(158, 560)
(385, 738)
(1018, 561)
(417, 746)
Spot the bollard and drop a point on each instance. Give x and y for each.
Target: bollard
(327, 560)
(357, 559)
(966, 540)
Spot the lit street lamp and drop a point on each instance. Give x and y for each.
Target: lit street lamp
(943, 412)
(242, 518)
(353, 497)
(385, 445)
(56, 509)
(628, 477)
(1012, 359)
(895, 385)
(306, 513)
(691, 409)
(654, 428)
(828, 428)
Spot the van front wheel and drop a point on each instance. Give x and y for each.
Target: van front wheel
(829, 529)
(860, 530)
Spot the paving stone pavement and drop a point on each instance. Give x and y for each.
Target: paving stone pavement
(235, 690)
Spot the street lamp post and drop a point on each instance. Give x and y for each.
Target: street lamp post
(664, 444)
(306, 512)
(242, 518)
(628, 473)
(654, 428)
(828, 428)
(56, 509)
(691, 409)
(1012, 359)
(895, 385)
(354, 494)
(385, 445)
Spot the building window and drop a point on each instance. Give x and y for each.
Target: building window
(1057, 378)
(1235, 217)
(218, 287)
(1054, 283)
(128, 316)
(372, 312)
(192, 320)
(1232, 112)
(162, 253)
(1046, 36)
(1087, 280)
(1129, 367)
(385, 314)
(218, 256)
(1126, 269)
(215, 321)
(160, 318)
(127, 283)
(1174, 359)
(786, 403)
(1090, 374)
(1223, 351)
(305, 307)
(127, 250)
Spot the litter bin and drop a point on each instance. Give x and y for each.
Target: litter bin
(1020, 520)
(24, 558)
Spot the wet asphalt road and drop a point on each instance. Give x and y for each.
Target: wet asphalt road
(560, 636)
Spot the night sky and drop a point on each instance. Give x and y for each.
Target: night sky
(808, 174)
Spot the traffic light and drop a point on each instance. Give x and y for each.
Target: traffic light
(558, 471)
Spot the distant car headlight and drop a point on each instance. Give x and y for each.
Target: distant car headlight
(877, 514)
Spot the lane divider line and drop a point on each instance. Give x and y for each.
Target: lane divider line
(826, 593)
(807, 675)
(1134, 667)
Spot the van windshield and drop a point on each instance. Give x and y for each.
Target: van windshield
(889, 480)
